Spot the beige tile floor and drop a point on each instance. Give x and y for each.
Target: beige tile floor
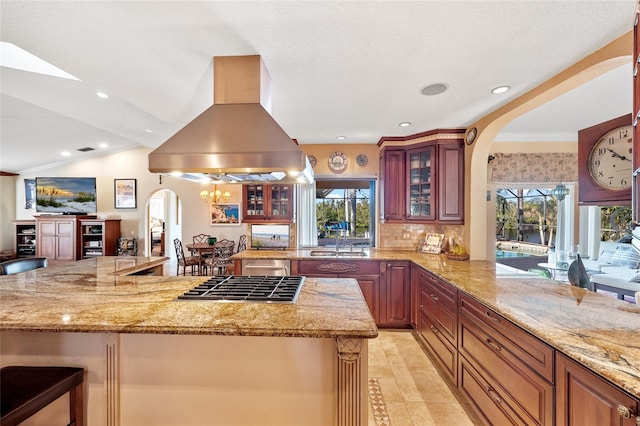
(412, 390)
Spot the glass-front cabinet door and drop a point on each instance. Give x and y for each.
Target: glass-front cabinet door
(268, 203)
(421, 195)
(281, 202)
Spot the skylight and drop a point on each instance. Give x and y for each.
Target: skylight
(12, 56)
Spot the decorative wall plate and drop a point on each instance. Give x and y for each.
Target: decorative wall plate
(312, 160)
(471, 135)
(337, 161)
(362, 160)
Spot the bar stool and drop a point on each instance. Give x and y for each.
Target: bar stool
(27, 390)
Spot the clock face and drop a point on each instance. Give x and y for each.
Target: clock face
(609, 161)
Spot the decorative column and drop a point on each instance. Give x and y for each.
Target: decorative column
(351, 410)
(112, 378)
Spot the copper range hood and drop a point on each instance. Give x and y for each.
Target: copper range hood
(235, 140)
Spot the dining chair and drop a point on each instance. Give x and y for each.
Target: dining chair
(223, 250)
(15, 266)
(184, 261)
(242, 243)
(200, 238)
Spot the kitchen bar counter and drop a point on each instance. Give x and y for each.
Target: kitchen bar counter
(600, 332)
(153, 360)
(103, 294)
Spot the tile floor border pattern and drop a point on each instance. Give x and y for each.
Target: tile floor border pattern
(378, 407)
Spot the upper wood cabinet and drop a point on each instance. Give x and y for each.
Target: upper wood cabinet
(635, 186)
(268, 203)
(423, 182)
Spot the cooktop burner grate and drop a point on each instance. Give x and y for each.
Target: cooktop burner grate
(266, 289)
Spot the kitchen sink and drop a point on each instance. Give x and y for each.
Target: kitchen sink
(333, 253)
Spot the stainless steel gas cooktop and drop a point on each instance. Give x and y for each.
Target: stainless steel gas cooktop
(265, 289)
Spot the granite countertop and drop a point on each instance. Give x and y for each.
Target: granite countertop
(600, 332)
(93, 295)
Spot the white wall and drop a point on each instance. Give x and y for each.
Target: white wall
(123, 165)
(7, 209)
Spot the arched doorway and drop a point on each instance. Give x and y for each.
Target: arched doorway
(164, 223)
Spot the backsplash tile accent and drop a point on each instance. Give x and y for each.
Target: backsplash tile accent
(408, 236)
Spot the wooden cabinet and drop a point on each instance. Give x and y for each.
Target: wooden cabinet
(57, 237)
(423, 183)
(437, 320)
(268, 203)
(395, 294)
(99, 237)
(503, 370)
(24, 238)
(582, 398)
(635, 186)
(392, 185)
(366, 272)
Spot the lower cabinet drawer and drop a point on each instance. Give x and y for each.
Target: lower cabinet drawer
(486, 401)
(527, 394)
(444, 352)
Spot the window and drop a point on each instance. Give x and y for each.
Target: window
(345, 209)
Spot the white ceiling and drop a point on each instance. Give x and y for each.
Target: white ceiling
(350, 68)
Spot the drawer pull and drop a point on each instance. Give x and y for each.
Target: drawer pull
(434, 297)
(493, 395)
(434, 329)
(493, 345)
(494, 319)
(625, 412)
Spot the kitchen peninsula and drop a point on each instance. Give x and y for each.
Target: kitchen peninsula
(513, 343)
(154, 360)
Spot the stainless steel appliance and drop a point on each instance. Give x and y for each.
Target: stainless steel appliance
(271, 267)
(236, 288)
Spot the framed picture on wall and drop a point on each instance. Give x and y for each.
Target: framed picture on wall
(125, 193)
(224, 214)
(29, 193)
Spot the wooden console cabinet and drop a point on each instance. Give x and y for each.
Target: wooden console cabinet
(99, 237)
(57, 237)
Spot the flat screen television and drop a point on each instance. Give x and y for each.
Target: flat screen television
(66, 195)
(269, 236)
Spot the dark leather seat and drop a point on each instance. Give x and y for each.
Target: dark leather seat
(27, 390)
(21, 265)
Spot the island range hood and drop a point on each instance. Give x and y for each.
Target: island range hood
(235, 140)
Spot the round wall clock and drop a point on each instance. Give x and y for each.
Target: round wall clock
(362, 160)
(605, 168)
(337, 161)
(609, 161)
(471, 135)
(312, 160)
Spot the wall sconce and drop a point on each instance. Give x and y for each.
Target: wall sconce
(216, 196)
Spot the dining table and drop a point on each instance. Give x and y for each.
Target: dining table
(203, 249)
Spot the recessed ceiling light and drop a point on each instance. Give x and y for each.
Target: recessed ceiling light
(500, 89)
(104, 145)
(12, 56)
(404, 124)
(341, 138)
(148, 130)
(65, 153)
(434, 89)
(102, 95)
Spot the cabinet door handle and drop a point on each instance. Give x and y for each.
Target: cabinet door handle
(493, 395)
(434, 329)
(434, 297)
(493, 345)
(494, 319)
(626, 412)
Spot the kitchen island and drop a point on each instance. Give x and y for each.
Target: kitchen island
(598, 332)
(154, 360)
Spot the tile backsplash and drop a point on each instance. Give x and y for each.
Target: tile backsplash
(408, 236)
